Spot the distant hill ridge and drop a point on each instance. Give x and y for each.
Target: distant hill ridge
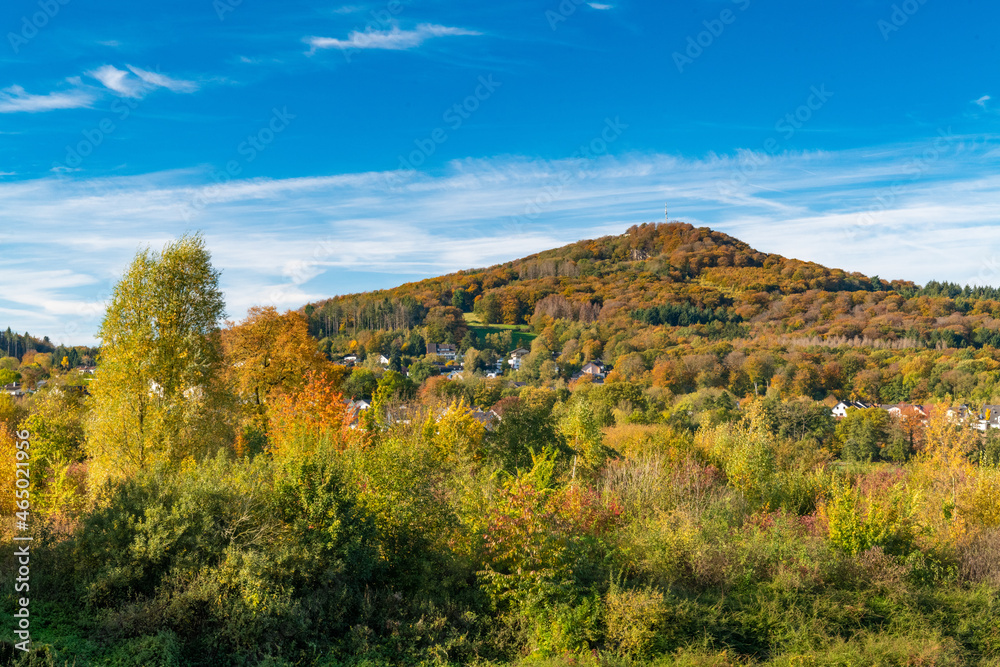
(672, 267)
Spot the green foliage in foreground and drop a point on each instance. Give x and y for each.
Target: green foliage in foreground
(409, 551)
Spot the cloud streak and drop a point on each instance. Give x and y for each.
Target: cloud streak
(15, 99)
(137, 83)
(394, 39)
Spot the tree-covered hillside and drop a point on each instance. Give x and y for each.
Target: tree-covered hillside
(681, 308)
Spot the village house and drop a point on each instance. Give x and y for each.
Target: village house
(13, 389)
(903, 410)
(487, 418)
(516, 356)
(841, 408)
(593, 370)
(446, 350)
(360, 404)
(989, 418)
(354, 410)
(958, 413)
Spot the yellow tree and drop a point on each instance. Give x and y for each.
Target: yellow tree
(159, 393)
(944, 472)
(55, 423)
(456, 434)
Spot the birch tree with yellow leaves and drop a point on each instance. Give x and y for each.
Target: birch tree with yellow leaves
(159, 393)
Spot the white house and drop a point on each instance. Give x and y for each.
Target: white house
(360, 404)
(516, 356)
(446, 350)
(840, 409)
(14, 389)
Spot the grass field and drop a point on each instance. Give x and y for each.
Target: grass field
(521, 333)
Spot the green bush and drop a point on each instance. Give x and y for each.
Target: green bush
(160, 650)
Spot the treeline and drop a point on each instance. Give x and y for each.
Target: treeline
(694, 301)
(335, 317)
(953, 291)
(32, 361)
(15, 345)
(683, 315)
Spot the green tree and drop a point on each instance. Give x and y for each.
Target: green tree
(159, 394)
(460, 299)
(420, 370)
(583, 434)
(863, 433)
(799, 419)
(361, 383)
(522, 433)
(55, 421)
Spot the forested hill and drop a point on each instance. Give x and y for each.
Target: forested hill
(678, 275)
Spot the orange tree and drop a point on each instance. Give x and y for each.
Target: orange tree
(266, 353)
(302, 423)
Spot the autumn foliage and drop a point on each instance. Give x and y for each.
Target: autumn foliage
(300, 421)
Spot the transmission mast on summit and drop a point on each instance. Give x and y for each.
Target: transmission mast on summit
(666, 217)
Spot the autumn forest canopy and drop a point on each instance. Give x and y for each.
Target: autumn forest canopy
(663, 447)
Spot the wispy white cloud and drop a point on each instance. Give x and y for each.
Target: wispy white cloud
(394, 39)
(117, 80)
(598, 5)
(983, 100)
(915, 211)
(15, 99)
(138, 83)
(162, 81)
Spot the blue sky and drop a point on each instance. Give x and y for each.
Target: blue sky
(326, 148)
